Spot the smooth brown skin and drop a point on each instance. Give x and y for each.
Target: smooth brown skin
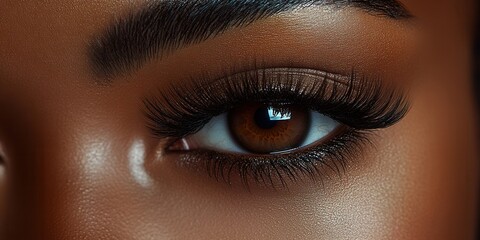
(73, 150)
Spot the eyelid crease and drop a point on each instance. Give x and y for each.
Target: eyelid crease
(358, 102)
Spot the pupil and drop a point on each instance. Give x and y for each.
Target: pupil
(262, 119)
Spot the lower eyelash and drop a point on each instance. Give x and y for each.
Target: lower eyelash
(280, 170)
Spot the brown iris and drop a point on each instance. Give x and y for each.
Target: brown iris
(266, 129)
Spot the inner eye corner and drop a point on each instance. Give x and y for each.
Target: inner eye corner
(175, 145)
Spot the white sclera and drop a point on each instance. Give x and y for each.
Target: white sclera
(320, 127)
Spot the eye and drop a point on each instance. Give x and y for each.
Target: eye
(272, 127)
(262, 129)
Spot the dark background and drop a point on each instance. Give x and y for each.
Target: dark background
(477, 58)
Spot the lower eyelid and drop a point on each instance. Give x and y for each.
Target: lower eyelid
(281, 171)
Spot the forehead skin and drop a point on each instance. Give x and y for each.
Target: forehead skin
(68, 143)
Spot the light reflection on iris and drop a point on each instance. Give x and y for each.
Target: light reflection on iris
(279, 114)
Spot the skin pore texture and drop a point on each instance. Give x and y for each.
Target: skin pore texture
(79, 162)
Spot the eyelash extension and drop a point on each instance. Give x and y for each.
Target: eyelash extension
(359, 103)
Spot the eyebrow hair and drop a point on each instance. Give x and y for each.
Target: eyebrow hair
(161, 27)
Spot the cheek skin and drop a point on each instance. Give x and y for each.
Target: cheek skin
(444, 163)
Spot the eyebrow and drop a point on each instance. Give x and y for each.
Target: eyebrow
(161, 27)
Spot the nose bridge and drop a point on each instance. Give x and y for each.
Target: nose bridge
(56, 177)
(23, 180)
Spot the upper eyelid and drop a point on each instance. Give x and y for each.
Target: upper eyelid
(373, 105)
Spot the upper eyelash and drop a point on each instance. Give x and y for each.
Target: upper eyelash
(357, 102)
